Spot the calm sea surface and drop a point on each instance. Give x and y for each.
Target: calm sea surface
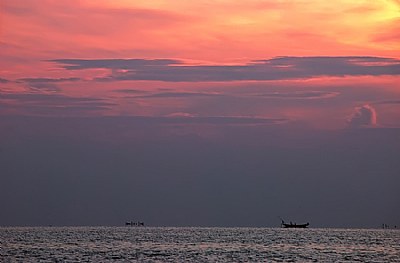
(143, 244)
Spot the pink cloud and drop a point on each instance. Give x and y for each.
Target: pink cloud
(364, 116)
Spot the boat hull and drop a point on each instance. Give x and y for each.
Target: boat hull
(295, 225)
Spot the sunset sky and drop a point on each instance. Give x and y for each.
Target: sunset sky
(205, 112)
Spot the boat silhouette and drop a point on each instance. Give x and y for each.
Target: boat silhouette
(294, 225)
(131, 223)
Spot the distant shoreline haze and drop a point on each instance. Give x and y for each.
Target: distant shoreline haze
(72, 171)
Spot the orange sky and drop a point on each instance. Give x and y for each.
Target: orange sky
(212, 31)
(222, 32)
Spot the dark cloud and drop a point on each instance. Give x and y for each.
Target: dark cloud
(4, 80)
(364, 116)
(138, 64)
(270, 69)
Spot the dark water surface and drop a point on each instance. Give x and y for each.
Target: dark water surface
(147, 244)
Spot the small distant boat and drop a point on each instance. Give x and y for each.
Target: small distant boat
(291, 225)
(131, 223)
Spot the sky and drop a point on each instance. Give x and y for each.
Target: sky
(200, 113)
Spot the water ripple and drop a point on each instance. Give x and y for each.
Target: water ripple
(130, 244)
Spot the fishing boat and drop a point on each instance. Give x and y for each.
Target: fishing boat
(294, 225)
(131, 223)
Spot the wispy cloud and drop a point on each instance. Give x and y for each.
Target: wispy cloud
(389, 34)
(279, 68)
(45, 84)
(40, 87)
(300, 95)
(100, 19)
(43, 80)
(180, 95)
(50, 104)
(388, 102)
(130, 91)
(294, 95)
(209, 120)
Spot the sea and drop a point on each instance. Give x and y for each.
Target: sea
(197, 244)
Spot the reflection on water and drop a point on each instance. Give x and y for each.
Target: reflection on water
(107, 244)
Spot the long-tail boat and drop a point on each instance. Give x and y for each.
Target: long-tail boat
(291, 225)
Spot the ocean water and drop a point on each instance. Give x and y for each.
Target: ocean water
(150, 244)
